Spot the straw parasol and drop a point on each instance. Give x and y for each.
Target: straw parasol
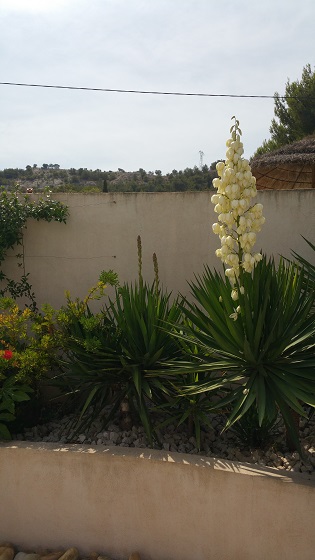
(289, 167)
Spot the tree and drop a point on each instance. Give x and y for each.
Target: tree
(295, 115)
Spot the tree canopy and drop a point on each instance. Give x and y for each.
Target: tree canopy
(295, 113)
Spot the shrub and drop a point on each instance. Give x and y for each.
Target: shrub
(110, 354)
(29, 344)
(265, 356)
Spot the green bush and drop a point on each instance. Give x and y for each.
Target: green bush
(112, 353)
(29, 344)
(263, 354)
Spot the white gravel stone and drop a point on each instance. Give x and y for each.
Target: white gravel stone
(215, 444)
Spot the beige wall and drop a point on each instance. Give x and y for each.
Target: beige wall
(102, 230)
(167, 506)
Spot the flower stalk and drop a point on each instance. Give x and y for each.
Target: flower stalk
(239, 219)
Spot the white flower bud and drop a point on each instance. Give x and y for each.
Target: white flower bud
(219, 167)
(234, 295)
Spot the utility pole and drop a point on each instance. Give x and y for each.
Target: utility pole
(201, 154)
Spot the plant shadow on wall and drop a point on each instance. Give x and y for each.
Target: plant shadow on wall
(15, 210)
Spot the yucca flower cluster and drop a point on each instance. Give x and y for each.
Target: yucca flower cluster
(239, 219)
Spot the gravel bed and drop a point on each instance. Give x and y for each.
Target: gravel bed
(175, 439)
(9, 552)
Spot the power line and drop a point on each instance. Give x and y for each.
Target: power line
(178, 93)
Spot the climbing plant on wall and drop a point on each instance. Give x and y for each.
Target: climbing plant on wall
(15, 210)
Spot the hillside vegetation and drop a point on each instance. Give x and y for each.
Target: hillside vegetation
(84, 180)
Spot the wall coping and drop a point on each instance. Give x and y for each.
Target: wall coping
(160, 456)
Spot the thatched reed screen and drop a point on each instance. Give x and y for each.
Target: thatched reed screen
(290, 167)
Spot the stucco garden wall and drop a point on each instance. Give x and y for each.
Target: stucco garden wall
(166, 506)
(102, 230)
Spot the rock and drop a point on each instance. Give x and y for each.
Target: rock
(240, 456)
(127, 440)
(297, 467)
(6, 553)
(113, 428)
(113, 436)
(166, 446)
(52, 555)
(104, 558)
(40, 550)
(70, 554)
(135, 556)
(27, 556)
(81, 438)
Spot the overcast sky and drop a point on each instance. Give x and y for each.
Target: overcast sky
(207, 46)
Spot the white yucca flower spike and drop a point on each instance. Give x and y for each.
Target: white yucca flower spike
(239, 219)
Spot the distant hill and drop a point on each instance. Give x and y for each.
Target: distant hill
(51, 176)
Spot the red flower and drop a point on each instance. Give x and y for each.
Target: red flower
(7, 354)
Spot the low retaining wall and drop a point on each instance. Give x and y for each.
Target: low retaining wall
(168, 506)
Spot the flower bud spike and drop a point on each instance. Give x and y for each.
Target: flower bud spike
(238, 218)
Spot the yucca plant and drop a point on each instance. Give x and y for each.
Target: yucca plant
(109, 358)
(263, 354)
(252, 434)
(192, 410)
(307, 265)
